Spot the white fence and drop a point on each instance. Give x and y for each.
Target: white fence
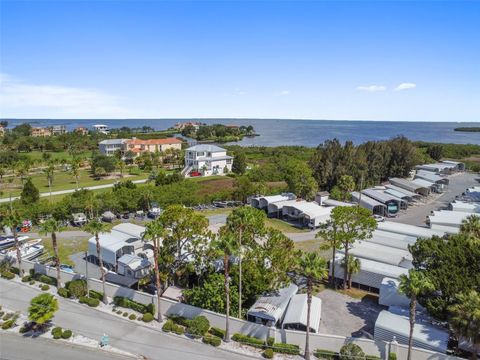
(317, 341)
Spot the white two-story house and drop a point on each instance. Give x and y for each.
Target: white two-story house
(110, 146)
(207, 160)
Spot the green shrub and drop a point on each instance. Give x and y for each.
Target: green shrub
(147, 317)
(151, 308)
(67, 334)
(83, 300)
(8, 324)
(7, 275)
(15, 270)
(168, 326)
(270, 341)
(125, 314)
(93, 302)
(326, 354)
(119, 312)
(180, 320)
(77, 288)
(132, 317)
(45, 287)
(217, 332)
(63, 292)
(95, 295)
(212, 340)
(248, 340)
(32, 282)
(178, 329)
(290, 349)
(45, 279)
(8, 316)
(26, 278)
(351, 351)
(127, 303)
(268, 354)
(57, 332)
(372, 357)
(392, 356)
(23, 330)
(198, 326)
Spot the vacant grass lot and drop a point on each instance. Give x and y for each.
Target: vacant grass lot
(283, 226)
(66, 247)
(63, 155)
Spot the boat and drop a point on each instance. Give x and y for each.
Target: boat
(30, 250)
(9, 241)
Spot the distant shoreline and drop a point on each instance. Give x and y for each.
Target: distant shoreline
(468, 129)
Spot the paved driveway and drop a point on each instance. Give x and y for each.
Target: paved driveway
(346, 316)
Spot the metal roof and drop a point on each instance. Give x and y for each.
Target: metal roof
(404, 191)
(112, 142)
(376, 267)
(297, 312)
(130, 229)
(134, 262)
(276, 206)
(397, 194)
(113, 241)
(207, 148)
(384, 254)
(272, 306)
(331, 202)
(380, 196)
(310, 209)
(430, 177)
(406, 229)
(423, 183)
(407, 184)
(366, 202)
(399, 241)
(465, 206)
(449, 218)
(425, 335)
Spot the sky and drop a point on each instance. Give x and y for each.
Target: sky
(358, 60)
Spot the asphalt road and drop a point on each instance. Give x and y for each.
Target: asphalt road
(123, 334)
(17, 347)
(62, 192)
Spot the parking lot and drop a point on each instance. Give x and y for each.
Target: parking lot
(346, 316)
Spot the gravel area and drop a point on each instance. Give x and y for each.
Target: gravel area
(346, 316)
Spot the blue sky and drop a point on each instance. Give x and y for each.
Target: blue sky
(380, 60)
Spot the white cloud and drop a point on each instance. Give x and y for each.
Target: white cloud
(20, 97)
(405, 86)
(372, 88)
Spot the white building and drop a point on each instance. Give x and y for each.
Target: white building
(207, 160)
(110, 146)
(307, 213)
(391, 239)
(262, 202)
(448, 221)
(296, 315)
(468, 207)
(389, 294)
(103, 129)
(410, 230)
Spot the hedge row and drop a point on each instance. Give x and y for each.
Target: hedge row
(289, 349)
(212, 340)
(58, 333)
(248, 340)
(127, 303)
(64, 292)
(95, 294)
(45, 279)
(170, 326)
(7, 275)
(217, 332)
(89, 301)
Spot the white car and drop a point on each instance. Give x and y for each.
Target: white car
(378, 218)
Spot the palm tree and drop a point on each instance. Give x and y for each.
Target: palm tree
(12, 221)
(95, 227)
(49, 174)
(314, 268)
(412, 286)
(228, 246)
(471, 226)
(465, 319)
(75, 170)
(328, 233)
(21, 169)
(352, 268)
(155, 231)
(52, 227)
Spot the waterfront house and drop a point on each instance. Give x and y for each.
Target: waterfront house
(58, 129)
(139, 146)
(207, 160)
(38, 131)
(110, 146)
(103, 129)
(81, 130)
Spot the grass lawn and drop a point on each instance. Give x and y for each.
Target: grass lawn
(64, 181)
(284, 226)
(225, 211)
(66, 247)
(62, 155)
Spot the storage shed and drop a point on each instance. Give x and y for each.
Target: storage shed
(392, 203)
(437, 179)
(409, 194)
(411, 186)
(464, 206)
(376, 207)
(406, 229)
(425, 335)
(296, 315)
(459, 165)
(306, 213)
(448, 218)
(391, 239)
(262, 202)
(389, 294)
(275, 209)
(270, 308)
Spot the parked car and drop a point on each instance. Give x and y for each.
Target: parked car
(79, 219)
(154, 211)
(378, 218)
(195, 173)
(108, 216)
(67, 268)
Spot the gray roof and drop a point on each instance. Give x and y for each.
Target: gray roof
(404, 191)
(112, 142)
(271, 306)
(366, 202)
(407, 184)
(207, 148)
(297, 312)
(380, 196)
(397, 194)
(130, 229)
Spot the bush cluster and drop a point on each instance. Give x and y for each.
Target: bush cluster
(32, 282)
(270, 341)
(392, 356)
(15, 270)
(45, 279)
(248, 340)
(95, 294)
(132, 317)
(212, 340)
(66, 334)
(125, 314)
(7, 275)
(217, 332)
(8, 324)
(268, 353)
(89, 301)
(58, 332)
(63, 292)
(45, 287)
(372, 357)
(26, 278)
(198, 326)
(289, 349)
(147, 317)
(127, 303)
(170, 326)
(77, 288)
(325, 354)
(180, 320)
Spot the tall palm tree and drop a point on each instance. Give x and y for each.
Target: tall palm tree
(12, 220)
(328, 233)
(352, 268)
(156, 232)
(75, 170)
(412, 286)
(52, 227)
(314, 268)
(471, 226)
(465, 319)
(49, 172)
(227, 245)
(95, 228)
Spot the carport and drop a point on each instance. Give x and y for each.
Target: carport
(377, 208)
(411, 186)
